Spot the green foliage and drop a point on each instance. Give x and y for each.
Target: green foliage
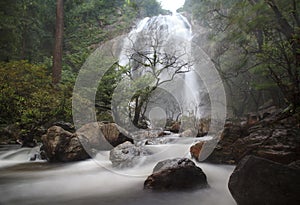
(28, 98)
(26, 29)
(27, 32)
(256, 48)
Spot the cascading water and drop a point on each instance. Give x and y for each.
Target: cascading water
(86, 182)
(161, 47)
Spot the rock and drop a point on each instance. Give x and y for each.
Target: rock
(274, 138)
(102, 136)
(223, 152)
(114, 134)
(28, 141)
(147, 134)
(195, 150)
(188, 133)
(176, 174)
(127, 155)
(295, 164)
(175, 127)
(65, 125)
(159, 140)
(252, 118)
(259, 181)
(60, 145)
(203, 127)
(277, 143)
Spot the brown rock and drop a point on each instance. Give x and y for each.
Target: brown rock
(223, 152)
(203, 128)
(259, 181)
(195, 150)
(176, 174)
(278, 143)
(60, 145)
(175, 127)
(102, 136)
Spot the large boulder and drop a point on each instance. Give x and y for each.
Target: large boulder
(176, 174)
(275, 137)
(127, 155)
(223, 152)
(278, 143)
(259, 181)
(100, 136)
(60, 145)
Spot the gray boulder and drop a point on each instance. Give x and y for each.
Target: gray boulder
(100, 136)
(127, 155)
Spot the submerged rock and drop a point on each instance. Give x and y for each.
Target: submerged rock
(60, 145)
(259, 181)
(127, 155)
(176, 174)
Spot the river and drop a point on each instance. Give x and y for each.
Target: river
(86, 182)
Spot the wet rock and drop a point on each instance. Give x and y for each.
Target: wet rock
(295, 164)
(148, 134)
(28, 141)
(66, 126)
(175, 127)
(176, 174)
(274, 137)
(127, 155)
(203, 127)
(195, 150)
(160, 140)
(259, 181)
(277, 143)
(188, 133)
(223, 152)
(60, 145)
(102, 136)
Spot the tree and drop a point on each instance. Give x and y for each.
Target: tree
(256, 47)
(153, 60)
(58, 47)
(26, 30)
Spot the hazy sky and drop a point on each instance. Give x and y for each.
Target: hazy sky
(172, 5)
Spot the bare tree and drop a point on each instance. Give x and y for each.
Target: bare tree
(154, 55)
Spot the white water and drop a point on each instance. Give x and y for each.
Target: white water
(16, 156)
(171, 36)
(88, 183)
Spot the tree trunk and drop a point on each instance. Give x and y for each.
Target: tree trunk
(57, 55)
(137, 112)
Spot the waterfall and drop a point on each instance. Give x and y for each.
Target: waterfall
(159, 47)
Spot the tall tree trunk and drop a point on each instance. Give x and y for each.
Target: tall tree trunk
(57, 55)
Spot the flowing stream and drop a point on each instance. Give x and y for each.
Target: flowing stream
(86, 182)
